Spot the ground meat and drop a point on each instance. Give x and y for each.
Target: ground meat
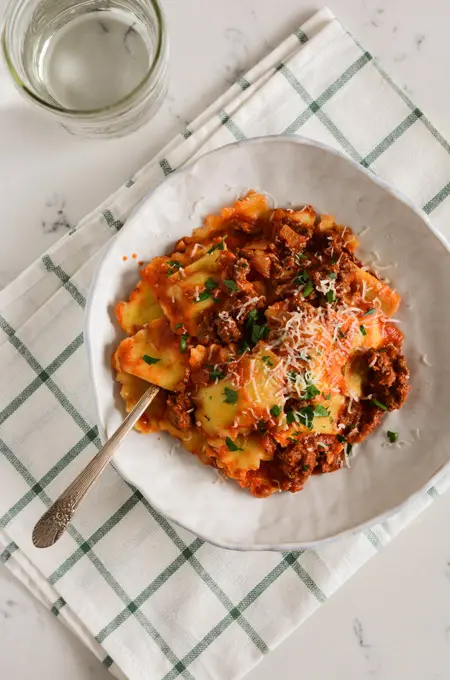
(177, 409)
(248, 226)
(388, 376)
(298, 462)
(227, 328)
(360, 421)
(241, 270)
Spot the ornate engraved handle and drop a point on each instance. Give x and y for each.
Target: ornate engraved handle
(54, 522)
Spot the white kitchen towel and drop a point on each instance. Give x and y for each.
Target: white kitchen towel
(150, 599)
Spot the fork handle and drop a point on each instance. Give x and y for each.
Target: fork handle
(54, 522)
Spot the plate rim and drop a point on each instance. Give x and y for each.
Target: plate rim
(88, 342)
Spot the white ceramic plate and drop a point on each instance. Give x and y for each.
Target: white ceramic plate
(292, 171)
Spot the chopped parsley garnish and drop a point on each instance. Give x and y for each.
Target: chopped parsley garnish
(173, 266)
(218, 246)
(301, 256)
(267, 360)
(183, 343)
(262, 426)
(290, 417)
(215, 374)
(311, 392)
(331, 296)
(275, 411)
(341, 439)
(363, 330)
(305, 468)
(150, 360)
(259, 332)
(306, 416)
(292, 375)
(370, 312)
(326, 396)
(348, 450)
(321, 411)
(231, 445)
(243, 347)
(332, 275)
(252, 316)
(392, 436)
(333, 260)
(308, 289)
(210, 284)
(302, 278)
(178, 325)
(379, 404)
(204, 295)
(231, 285)
(231, 396)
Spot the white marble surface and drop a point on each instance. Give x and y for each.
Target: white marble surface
(392, 619)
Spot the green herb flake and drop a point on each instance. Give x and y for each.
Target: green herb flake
(332, 275)
(150, 360)
(379, 404)
(290, 418)
(267, 360)
(292, 375)
(370, 312)
(259, 332)
(243, 347)
(333, 260)
(231, 285)
(210, 284)
(262, 426)
(302, 278)
(178, 325)
(308, 289)
(321, 411)
(173, 267)
(204, 295)
(362, 330)
(218, 246)
(305, 468)
(311, 392)
(231, 396)
(341, 335)
(183, 343)
(231, 445)
(215, 374)
(331, 296)
(341, 439)
(252, 316)
(275, 411)
(301, 256)
(392, 436)
(306, 416)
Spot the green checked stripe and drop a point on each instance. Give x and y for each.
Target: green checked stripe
(287, 561)
(205, 576)
(301, 35)
(85, 441)
(392, 137)
(231, 126)
(65, 278)
(59, 604)
(45, 379)
(165, 166)
(437, 200)
(111, 222)
(101, 568)
(42, 377)
(8, 551)
(107, 661)
(243, 83)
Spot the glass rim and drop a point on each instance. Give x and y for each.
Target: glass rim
(86, 113)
